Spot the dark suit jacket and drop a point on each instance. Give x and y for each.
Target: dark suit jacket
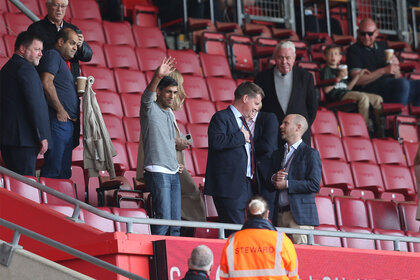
(265, 143)
(227, 158)
(304, 179)
(302, 101)
(24, 120)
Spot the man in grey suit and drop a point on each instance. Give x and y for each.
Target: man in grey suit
(296, 175)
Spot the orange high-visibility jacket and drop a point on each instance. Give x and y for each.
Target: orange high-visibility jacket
(259, 254)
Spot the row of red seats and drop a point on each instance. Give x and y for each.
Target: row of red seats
(371, 216)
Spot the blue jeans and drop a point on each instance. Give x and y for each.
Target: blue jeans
(58, 157)
(166, 198)
(400, 91)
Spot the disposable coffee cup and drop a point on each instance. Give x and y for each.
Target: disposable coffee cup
(388, 55)
(343, 67)
(81, 84)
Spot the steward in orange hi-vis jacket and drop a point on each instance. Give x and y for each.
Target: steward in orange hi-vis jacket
(258, 250)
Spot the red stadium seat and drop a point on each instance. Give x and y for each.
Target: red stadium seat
(358, 149)
(77, 155)
(120, 57)
(410, 151)
(221, 105)
(64, 186)
(149, 59)
(389, 245)
(352, 124)
(132, 128)
(92, 196)
(407, 128)
(329, 147)
(337, 174)
(131, 213)
(325, 123)
(241, 53)
(398, 179)
(367, 176)
(414, 246)
(383, 214)
(110, 103)
(98, 222)
(66, 210)
(363, 194)
(181, 115)
(148, 37)
(3, 61)
(132, 149)
(16, 23)
(211, 212)
(186, 62)
(78, 177)
(200, 161)
(213, 43)
(9, 43)
(189, 163)
(195, 87)
(325, 209)
(215, 65)
(327, 240)
(199, 111)
(30, 4)
(130, 81)
(408, 212)
(98, 57)
(357, 243)
(3, 50)
(351, 212)
(91, 28)
(85, 9)
(121, 163)
(3, 26)
(131, 104)
(221, 89)
(104, 78)
(114, 126)
(22, 189)
(118, 33)
(145, 15)
(199, 135)
(388, 151)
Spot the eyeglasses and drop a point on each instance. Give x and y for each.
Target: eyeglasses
(57, 6)
(364, 33)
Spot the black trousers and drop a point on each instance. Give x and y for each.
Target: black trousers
(21, 160)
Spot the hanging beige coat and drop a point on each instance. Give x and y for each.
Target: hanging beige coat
(192, 205)
(98, 149)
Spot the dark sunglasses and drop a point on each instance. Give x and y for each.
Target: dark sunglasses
(363, 33)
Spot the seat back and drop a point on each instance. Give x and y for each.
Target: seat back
(221, 89)
(213, 43)
(104, 78)
(85, 9)
(16, 23)
(397, 179)
(388, 151)
(78, 177)
(120, 57)
(130, 81)
(410, 151)
(131, 213)
(114, 126)
(92, 30)
(215, 65)
(408, 213)
(325, 123)
(352, 124)
(132, 129)
(383, 214)
(148, 37)
(211, 212)
(200, 161)
(241, 53)
(131, 105)
(21, 188)
(358, 149)
(98, 56)
(118, 33)
(367, 176)
(336, 174)
(110, 103)
(98, 222)
(132, 150)
(199, 111)
(351, 212)
(325, 209)
(195, 87)
(199, 135)
(187, 62)
(64, 186)
(329, 147)
(149, 59)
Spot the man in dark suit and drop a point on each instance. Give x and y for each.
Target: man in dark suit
(230, 170)
(296, 175)
(24, 122)
(288, 89)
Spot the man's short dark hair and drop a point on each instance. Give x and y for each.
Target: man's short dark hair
(167, 82)
(25, 39)
(331, 47)
(248, 88)
(64, 34)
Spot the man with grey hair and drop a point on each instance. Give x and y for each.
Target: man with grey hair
(200, 263)
(288, 88)
(295, 178)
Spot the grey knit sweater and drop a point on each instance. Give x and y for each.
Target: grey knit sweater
(158, 133)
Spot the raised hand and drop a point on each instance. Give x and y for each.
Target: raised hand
(166, 67)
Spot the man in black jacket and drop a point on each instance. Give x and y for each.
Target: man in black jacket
(47, 29)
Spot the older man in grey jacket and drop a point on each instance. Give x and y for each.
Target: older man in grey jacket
(158, 133)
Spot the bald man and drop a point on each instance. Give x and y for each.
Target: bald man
(296, 175)
(383, 78)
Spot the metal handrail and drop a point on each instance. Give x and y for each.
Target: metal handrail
(220, 226)
(21, 230)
